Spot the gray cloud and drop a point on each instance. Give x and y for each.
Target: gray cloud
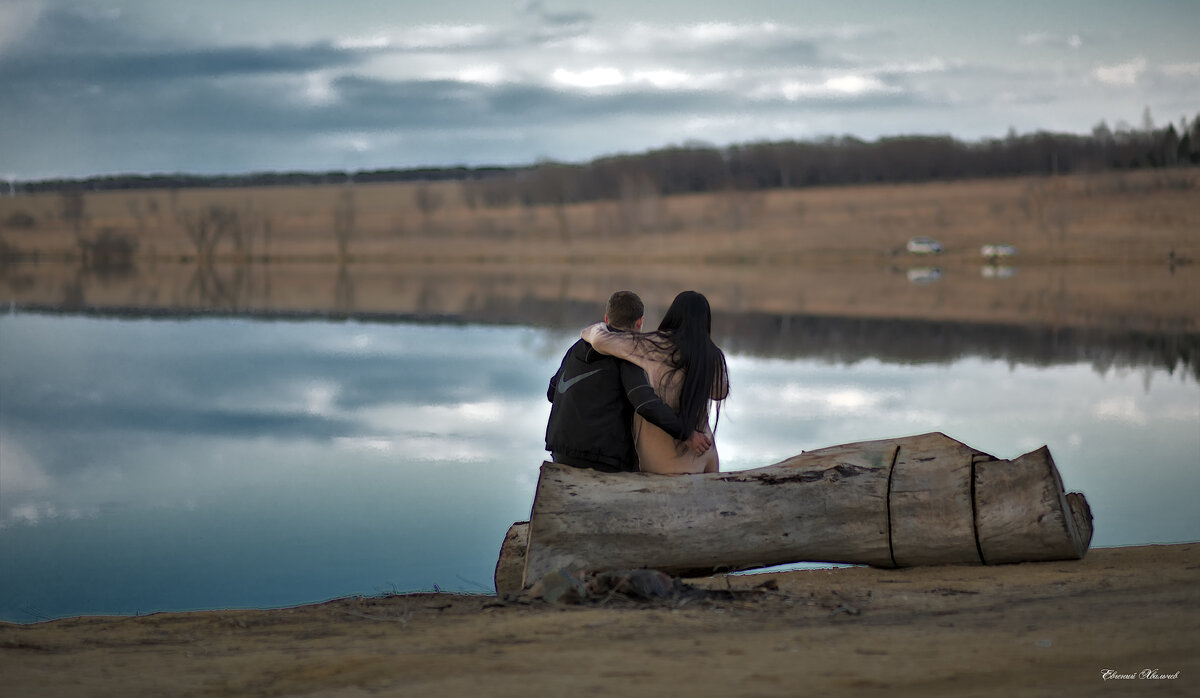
(64, 29)
(555, 26)
(124, 68)
(95, 92)
(372, 104)
(65, 47)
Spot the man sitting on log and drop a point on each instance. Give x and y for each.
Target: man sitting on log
(594, 398)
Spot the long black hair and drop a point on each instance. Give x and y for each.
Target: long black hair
(688, 327)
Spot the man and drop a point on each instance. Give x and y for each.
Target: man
(595, 396)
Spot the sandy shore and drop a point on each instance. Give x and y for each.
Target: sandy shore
(1030, 629)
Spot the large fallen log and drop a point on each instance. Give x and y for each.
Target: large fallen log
(916, 500)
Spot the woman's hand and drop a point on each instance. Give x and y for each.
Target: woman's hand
(602, 339)
(592, 332)
(699, 442)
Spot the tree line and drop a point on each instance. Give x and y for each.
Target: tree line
(698, 167)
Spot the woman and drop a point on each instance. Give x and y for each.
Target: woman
(687, 371)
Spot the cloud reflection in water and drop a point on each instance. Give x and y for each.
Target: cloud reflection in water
(217, 462)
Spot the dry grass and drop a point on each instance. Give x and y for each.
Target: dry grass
(1094, 251)
(1114, 218)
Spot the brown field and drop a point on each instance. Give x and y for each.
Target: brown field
(1033, 629)
(1106, 250)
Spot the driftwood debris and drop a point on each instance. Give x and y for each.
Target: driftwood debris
(917, 500)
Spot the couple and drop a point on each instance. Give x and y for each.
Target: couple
(624, 400)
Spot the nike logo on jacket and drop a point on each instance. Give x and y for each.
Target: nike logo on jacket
(565, 385)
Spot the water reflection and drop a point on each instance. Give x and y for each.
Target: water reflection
(217, 462)
(1109, 317)
(923, 275)
(222, 287)
(997, 271)
(169, 464)
(924, 341)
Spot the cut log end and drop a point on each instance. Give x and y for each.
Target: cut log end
(1081, 513)
(510, 568)
(1023, 514)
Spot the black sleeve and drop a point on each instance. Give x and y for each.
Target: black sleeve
(554, 381)
(648, 404)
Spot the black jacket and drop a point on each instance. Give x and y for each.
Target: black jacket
(594, 398)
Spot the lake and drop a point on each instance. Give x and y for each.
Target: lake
(181, 463)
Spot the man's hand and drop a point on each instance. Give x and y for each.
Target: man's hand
(699, 442)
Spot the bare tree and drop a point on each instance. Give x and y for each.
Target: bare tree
(208, 228)
(344, 214)
(72, 209)
(428, 199)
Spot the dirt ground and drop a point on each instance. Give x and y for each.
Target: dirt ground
(1051, 628)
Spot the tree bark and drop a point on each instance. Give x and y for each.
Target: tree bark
(915, 500)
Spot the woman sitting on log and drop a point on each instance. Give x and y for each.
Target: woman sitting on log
(688, 372)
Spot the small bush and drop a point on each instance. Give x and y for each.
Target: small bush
(8, 253)
(20, 220)
(109, 251)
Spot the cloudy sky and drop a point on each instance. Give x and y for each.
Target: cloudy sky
(104, 86)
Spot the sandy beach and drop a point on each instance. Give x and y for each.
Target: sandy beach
(1050, 628)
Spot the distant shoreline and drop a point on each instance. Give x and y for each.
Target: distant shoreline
(1113, 252)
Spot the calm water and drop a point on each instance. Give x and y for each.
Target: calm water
(151, 465)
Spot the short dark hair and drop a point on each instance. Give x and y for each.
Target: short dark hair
(624, 309)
